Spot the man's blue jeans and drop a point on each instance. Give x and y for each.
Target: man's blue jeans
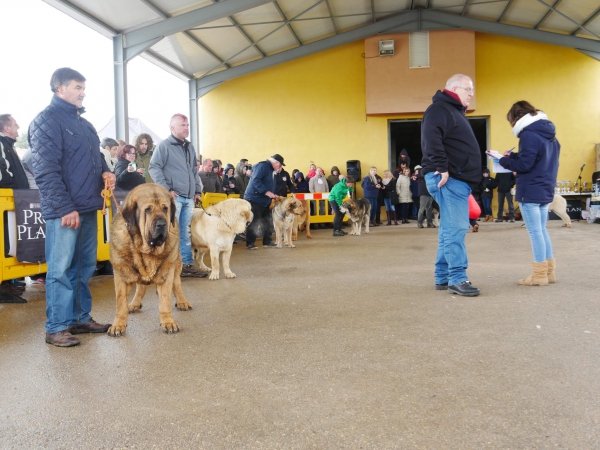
(71, 258)
(451, 262)
(535, 216)
(184, 208)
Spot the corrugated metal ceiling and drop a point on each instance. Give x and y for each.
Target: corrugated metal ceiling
(264, 29)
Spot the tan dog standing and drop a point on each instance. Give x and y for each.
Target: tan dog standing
(285, 209)
(213, 232)
(559, 207)
(302, 220)
(144, 249)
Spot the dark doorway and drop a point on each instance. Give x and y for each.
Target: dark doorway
(406, 134)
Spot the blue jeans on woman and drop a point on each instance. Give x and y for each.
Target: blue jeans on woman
(388, 204)
(71, 259)
(373, 202)
(184, 208)
(451, 261)
(535, 216)
(487, 206)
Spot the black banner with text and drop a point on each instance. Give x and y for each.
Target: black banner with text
(31, 227)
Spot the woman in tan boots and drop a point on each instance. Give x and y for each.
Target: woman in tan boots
(536, 166)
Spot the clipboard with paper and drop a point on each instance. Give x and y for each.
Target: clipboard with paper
(496, 167)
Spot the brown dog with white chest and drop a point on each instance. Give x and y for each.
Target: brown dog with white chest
(144, 249)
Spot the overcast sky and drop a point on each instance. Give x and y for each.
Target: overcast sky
(37, 39)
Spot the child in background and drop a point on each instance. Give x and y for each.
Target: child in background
(338, 194)
(390, 196)
(404, 194)
(230, 186)
(414, 189)
(488, 184)
(312, 171)
(301, 183)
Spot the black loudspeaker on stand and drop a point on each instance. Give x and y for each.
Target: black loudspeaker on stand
(353, 169)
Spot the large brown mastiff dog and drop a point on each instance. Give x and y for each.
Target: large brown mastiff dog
(144, 249)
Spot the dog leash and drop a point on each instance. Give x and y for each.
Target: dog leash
(106, 194)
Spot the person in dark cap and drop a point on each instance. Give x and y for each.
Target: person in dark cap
(488, 184)
(259, 193)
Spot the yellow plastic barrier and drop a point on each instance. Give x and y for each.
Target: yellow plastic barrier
(212, 198)
(320, 212)
(11, 268)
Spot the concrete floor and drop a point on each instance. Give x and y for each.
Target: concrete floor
(339, 343)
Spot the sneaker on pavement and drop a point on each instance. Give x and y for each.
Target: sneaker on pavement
(91, 326)
(270, 245)
(251, 247)
(441, 287)
(62, 339)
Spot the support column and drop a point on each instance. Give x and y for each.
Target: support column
(194, 125)
(121, 103)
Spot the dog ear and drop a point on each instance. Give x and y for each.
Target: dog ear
(129, 213)
(173, 210)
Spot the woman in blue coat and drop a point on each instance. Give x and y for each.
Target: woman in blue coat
(371, 185)
(536, 166)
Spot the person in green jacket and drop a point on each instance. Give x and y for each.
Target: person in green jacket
(336, 198)
(143, 146)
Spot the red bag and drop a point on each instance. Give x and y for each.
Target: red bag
(474, 209)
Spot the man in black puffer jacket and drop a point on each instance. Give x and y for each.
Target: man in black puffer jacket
(451, 165)
(70, 172)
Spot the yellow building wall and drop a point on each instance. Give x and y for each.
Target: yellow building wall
(313, 108)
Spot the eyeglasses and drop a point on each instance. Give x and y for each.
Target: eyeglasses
(130, 153)
(469, 90)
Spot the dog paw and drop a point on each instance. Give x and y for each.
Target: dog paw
(134, 308)
(213, 276)
(184, 306)
(117, 330)
(230, 275)
(294, 238)
(308, 236)
(170, 327)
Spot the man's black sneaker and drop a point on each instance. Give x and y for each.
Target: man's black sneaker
(251, 247)
(441, 287)
(465, 288)
(270, 245)
(338, 233)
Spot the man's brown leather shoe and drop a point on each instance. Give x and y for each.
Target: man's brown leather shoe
(62, 339)
(91, 326)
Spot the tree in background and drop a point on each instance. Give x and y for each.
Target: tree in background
(22, 141)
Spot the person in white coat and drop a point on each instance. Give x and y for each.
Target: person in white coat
(404, 194)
